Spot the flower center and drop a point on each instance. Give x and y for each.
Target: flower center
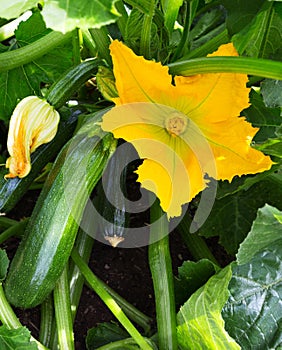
(176, 123)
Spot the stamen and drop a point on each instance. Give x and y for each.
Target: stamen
(176, 123)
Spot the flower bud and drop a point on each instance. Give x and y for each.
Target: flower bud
(33, 123)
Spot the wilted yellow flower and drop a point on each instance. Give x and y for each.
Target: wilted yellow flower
(33, 123)
(184, 128)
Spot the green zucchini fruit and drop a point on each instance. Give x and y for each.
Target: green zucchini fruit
(110, 200)
(12, 190)
(52, 229)
(71, 81)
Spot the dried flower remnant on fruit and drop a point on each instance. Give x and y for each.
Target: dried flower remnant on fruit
(33, 123)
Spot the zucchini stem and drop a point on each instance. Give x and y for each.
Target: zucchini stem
(196, 245)
(10, 320)
(46, 322)
(95, 284)
(19, 57)
(161, 270)
(63, 312)
(16, 230)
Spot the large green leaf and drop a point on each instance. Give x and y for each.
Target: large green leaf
(232, 216)
(63, 15)
(267, 119)
(200, 325)
(266, 229)
(262, 37)
(103, 334)
(16, 339)
(253, 313)
(191, 276)
(240, 13)
(14, 8)
(20, 82)
(271, 92)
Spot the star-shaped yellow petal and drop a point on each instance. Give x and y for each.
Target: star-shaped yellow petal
(184, 130)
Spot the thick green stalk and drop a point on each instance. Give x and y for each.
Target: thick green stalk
(122, 20)
(15, 230)
(109, 301)
(84, 244)
(145, 39)
(134, 314)
(46, 321)
(63, 312)
(245, 65)
(8, 30)
(196, 245)
(89, 43)
(7, 222)
(31, 52)
(161, 270)
(9, 319)
(183, 44)
(102, 42)
(76, 46)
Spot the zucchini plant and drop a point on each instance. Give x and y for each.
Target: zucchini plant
(194, 87)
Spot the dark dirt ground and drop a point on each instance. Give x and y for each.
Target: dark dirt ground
(124, 270)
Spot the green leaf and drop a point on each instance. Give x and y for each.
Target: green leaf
(200, 325)
(4, 263)
(14, 8)
(64, 16)
(144, 6)
(232, 216)
(206, 23)
(191, 276)
(20, 82)
(266, 229)
(267, 119)
(253, 313)
(170, 9)
(244, 182)
(240, 13)
(16, 339)
(271, 92)
(103, 334)
(262, 37)
(273, 147)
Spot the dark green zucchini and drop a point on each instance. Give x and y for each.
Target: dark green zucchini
(12, 190)
(71, 81)
(110, 200)
(51, 231)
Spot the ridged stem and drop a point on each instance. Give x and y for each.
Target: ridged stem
(63, 312)
(9, 319)
(109, 301)
(46, 321)
(15, 230)
(102, 42)
(196, 245)
(161, 270)
(245, 65)
(19, 57)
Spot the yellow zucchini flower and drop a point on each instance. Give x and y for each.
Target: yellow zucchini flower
(185, 128)
(33, 123)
